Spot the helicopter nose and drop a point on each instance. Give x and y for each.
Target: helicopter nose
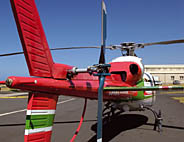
(133, 69)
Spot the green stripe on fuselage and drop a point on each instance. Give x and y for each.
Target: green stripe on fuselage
(39, 121)
(140, 94)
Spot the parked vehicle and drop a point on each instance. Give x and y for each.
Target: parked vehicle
(176, 82)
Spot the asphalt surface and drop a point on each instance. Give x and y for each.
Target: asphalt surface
(129, 127)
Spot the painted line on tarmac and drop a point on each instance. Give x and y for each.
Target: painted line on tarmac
(13, 112)
(177, 92)
(15, 97)
(8, 113)
(62, 102)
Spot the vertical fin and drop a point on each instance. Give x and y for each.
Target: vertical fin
(33, 39)
(40, 117)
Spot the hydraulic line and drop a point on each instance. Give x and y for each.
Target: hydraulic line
(81, 121)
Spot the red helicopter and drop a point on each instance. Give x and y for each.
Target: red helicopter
(122, 83)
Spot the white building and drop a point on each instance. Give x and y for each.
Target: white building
(166, 73)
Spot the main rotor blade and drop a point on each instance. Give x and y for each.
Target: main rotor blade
(52, 49)
(164, 42)
(10, 54)
(103, 34)
(102, 55)
(74, 48)
(145, 88)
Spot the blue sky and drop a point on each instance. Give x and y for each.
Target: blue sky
(78, 23)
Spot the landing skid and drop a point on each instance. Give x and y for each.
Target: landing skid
(158, 119)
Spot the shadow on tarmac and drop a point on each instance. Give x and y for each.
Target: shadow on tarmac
(55, 123)
(122, 123)
(119, 124)
(94, 126)
(167, 126)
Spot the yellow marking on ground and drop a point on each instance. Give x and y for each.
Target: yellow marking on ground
(177, 92)
(180, 99)
(14, 97)
(5, 88)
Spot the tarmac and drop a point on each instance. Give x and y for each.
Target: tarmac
(129, 127)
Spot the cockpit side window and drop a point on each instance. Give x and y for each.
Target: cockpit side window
(122, 74)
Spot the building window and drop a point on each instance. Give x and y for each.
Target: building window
(172, 77)
(181, 77)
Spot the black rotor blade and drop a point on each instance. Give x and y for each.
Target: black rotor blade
(74, 48)
(102, 55)
(52, 49)
(164, 42)
(10, 54)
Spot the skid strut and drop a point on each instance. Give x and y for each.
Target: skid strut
(108, 110)
(158, 119)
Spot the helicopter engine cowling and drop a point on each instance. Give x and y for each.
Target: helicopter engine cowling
(128, 69)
